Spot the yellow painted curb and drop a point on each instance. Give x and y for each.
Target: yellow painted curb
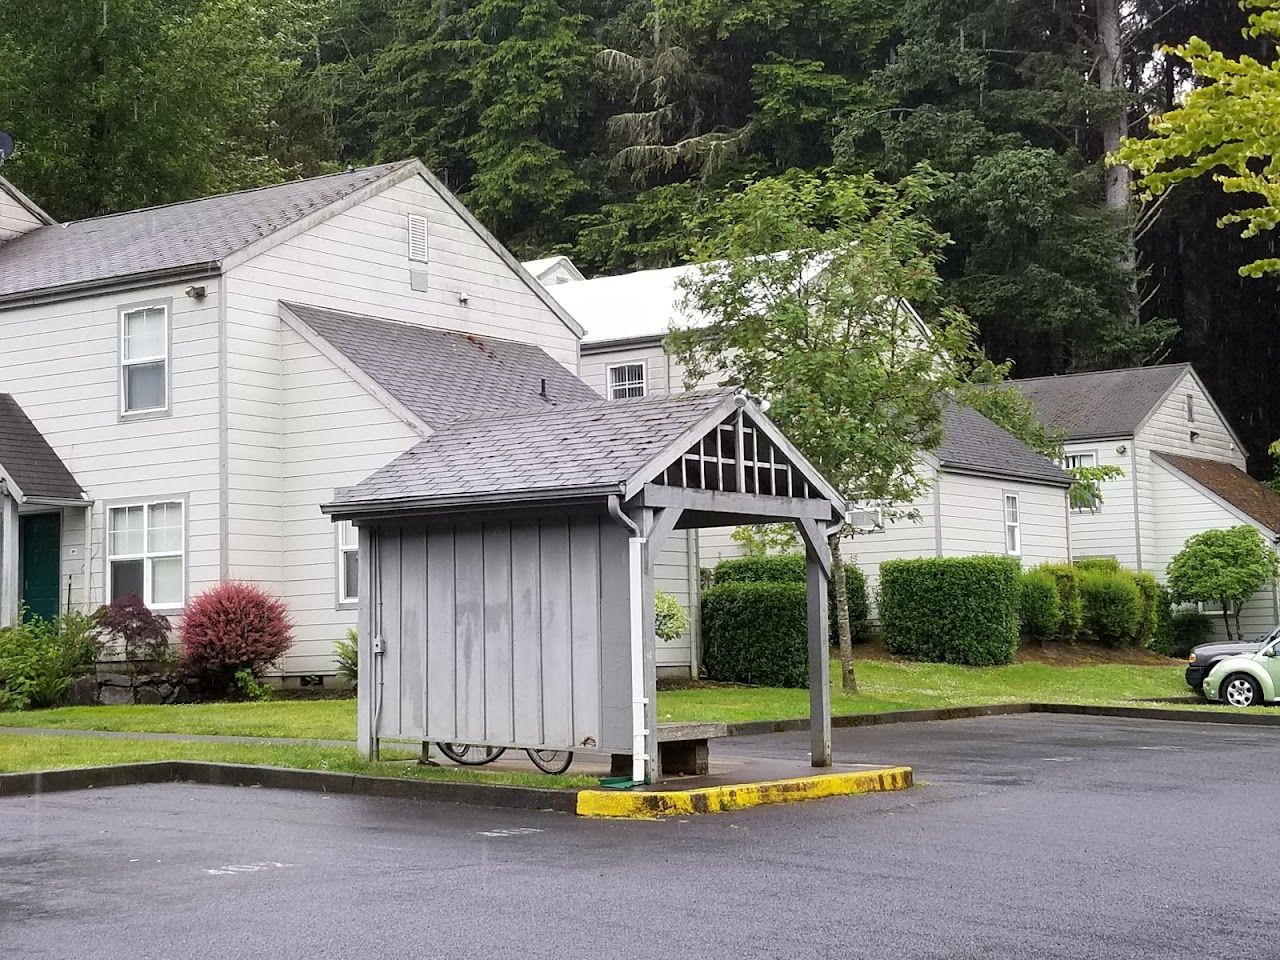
(641, 805)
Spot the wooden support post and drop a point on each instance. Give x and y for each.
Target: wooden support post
(10, 586)
(818, 574)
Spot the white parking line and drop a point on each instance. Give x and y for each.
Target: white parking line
(233, 869)
(509, 832)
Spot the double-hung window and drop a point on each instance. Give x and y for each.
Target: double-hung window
(1087, 498)
(146, 549)
(348, 564)
(1012, 526)
(144, 360)
(626, 380)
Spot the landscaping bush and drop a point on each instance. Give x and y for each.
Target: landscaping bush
(347, 653)
(1187, 629)
(756, 632)
(779, 568)
(951, 609)
(1067, 579)
(1113, 606)
(39, 659)
(234, 627)
(855, 585)
(1040, 608)
(1153, 595)
(670, 619)
(141, 634)
(1103, 564)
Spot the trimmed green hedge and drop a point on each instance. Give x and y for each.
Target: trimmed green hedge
(1040, 608)
(951, 609)
(792, 568)
(1067, 578)
(1113, 605)
(756, 632)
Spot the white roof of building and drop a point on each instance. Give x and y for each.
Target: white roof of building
(642, 304)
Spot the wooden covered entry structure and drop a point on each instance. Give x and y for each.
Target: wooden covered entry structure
(507, 568)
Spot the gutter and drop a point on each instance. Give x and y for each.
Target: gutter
(71, 291)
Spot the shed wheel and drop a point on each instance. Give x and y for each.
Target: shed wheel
(471, 754)
(551, 761)
(1241, 690)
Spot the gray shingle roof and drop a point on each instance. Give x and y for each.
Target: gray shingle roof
(1109, 403)
(191, 234)
(587, 446)
(442, 376)
(27, 457)
(974, 443)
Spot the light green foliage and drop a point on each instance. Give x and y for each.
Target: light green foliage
(1224, 127)
(1113, 605)
(1039, 606)
(40, 658)
(1223, 567)
(346, 652)
(670, 619)
(129, 103)
(1155, 604)
(759, 539)
(783, 568)
(951, 609)
(756, 632)
(247, 685)
(1067, 579)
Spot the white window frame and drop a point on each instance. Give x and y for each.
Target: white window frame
(643, 382)
(417, 227)
(1068, 465)
(348, 593)
(1191, 408)
(1210, 609)
(147, 554)
(166, 308)
(1012, 526)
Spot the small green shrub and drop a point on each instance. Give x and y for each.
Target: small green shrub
(778, 568)
(1104, 564)
(670, 619)
(855, 585)
(250, 687)
(40, 658)
(347, 653)
(1039, 608)
(1112, 606)
(1153, 595)
(951, 609)
(1188, 628)
(1067, 579)
(756, 632)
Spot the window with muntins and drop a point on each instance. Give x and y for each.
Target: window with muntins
(1012, 525)
(626, 380)
(1086, 498)
(144, 360)
(146, 553)
(348, 563)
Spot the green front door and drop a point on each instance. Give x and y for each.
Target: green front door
(40, 544)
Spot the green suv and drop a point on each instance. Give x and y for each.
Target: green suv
(1247, 680)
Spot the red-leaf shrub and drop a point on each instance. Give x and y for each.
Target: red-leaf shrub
(140, 632)
(231, 627)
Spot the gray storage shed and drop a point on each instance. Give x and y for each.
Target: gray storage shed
(506, 567)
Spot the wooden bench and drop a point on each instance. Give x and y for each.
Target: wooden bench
(682, 749)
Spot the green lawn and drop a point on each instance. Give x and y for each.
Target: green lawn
(25, 752)
(885, 685)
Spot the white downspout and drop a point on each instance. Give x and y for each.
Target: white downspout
(639, 701)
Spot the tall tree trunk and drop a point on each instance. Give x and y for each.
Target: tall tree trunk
(848, 679)
(1235, 612)
(1226, 619)
(1110, 78)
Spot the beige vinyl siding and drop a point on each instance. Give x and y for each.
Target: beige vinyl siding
(1182, 511)
(15, 219)
(671, 574)
(973, 518)
(1169, 430)
(663, 374)
(1111, 530)
(335, 434)
(60, 363)
(356, 260)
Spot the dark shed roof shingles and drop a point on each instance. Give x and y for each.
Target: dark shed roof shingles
(190, 234)
(27, 457)
(1109, 403)
(1249, 496)
(583, 446)
(442, 376)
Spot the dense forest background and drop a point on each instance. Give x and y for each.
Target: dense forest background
(605, 129)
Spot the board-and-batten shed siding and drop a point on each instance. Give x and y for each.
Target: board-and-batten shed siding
(336, 433)
(60, 362)
(356, 260)
(1169, 429)
(504, 639)
(1183, 510)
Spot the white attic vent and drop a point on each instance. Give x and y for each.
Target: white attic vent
(417, 238)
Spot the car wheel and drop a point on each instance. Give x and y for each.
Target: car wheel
(1241, 690)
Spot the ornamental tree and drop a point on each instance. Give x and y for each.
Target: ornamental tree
(1224, 567)
(1225, 127)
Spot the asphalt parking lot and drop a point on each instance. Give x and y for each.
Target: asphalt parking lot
(1031, 836)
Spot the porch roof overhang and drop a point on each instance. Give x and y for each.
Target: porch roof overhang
(715, 456)
(30, 471)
